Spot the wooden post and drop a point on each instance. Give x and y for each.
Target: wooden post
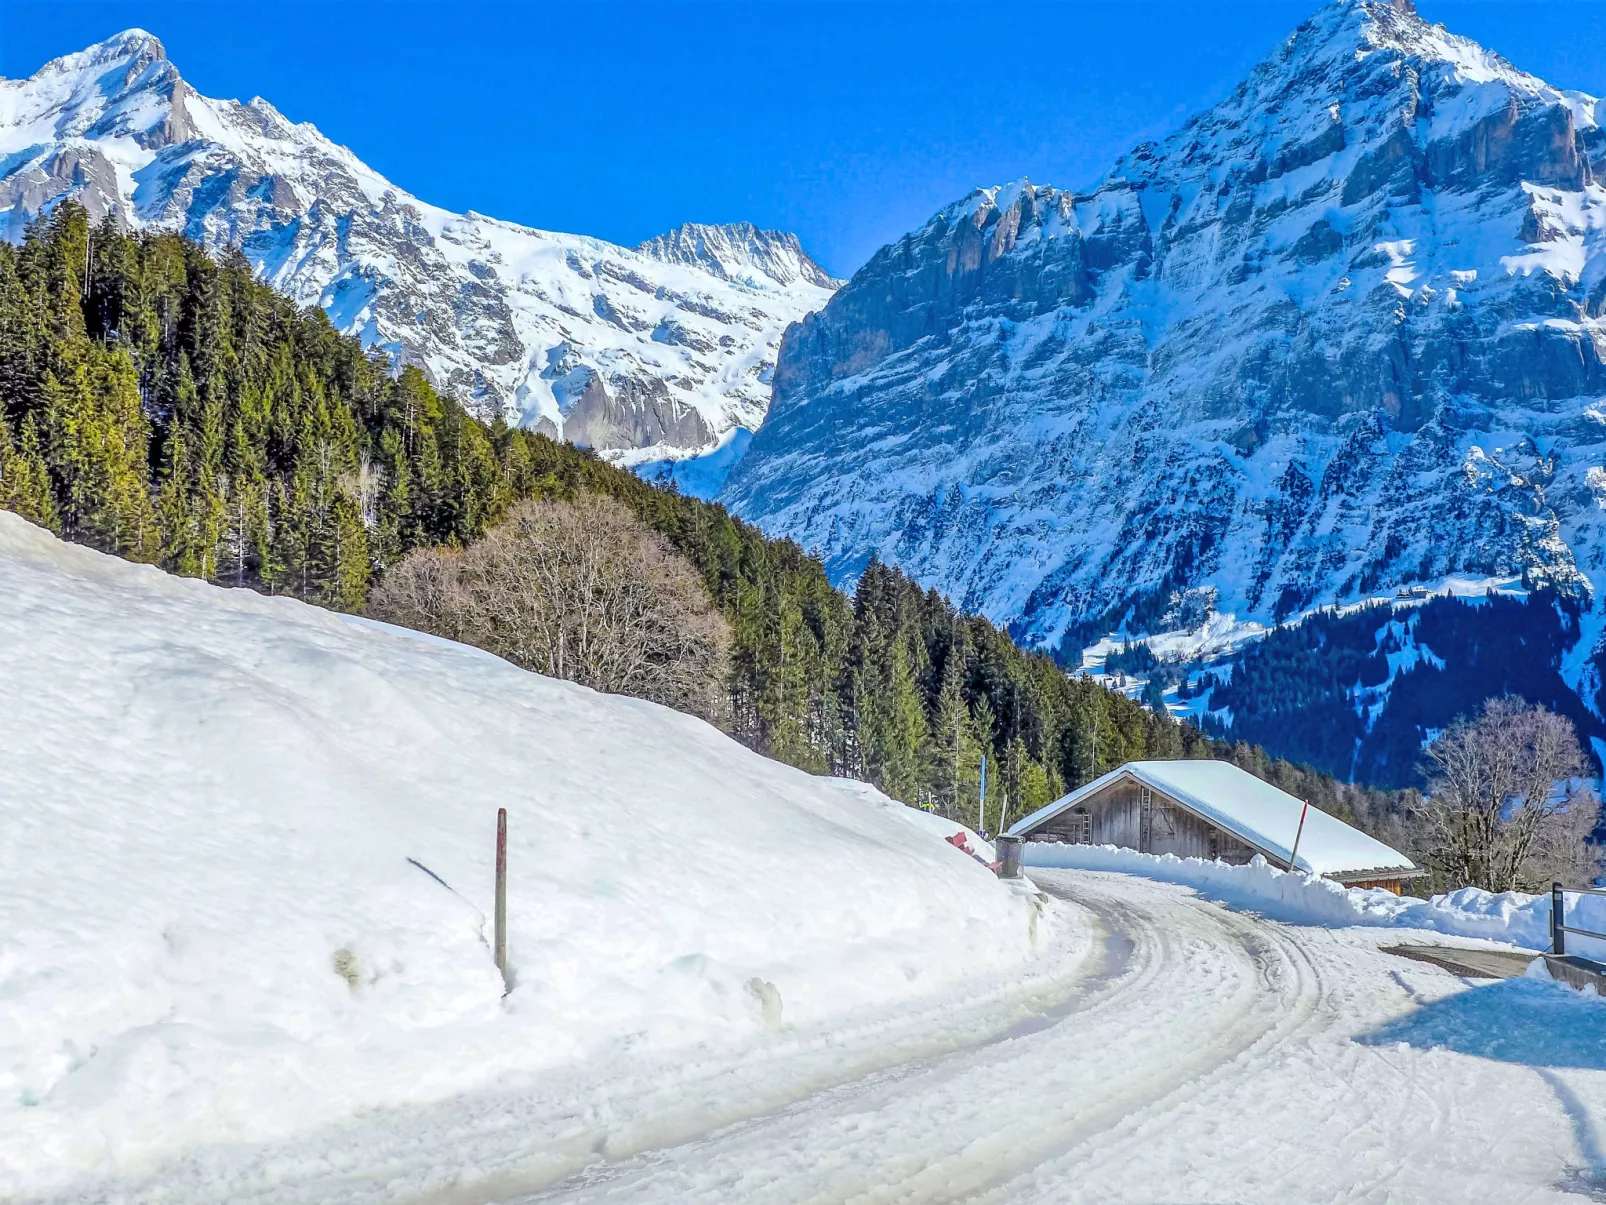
(1300, 832)
(501, 893)
(1558, 919)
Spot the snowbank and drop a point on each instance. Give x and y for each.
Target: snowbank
(230, 822)
(1512, 917)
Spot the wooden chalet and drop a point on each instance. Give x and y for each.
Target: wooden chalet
(1214, 810)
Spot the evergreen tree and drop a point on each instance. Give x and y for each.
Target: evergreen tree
(181, 548)
(955, 758)
(25, 478)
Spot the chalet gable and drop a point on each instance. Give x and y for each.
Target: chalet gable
(1212, 809)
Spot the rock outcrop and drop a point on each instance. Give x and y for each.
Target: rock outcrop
(740, 252)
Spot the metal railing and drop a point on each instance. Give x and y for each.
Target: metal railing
(1559, 928)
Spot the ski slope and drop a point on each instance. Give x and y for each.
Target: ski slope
(247, 867)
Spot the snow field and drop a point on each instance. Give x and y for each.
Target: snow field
(1511, 917)
(212, 932)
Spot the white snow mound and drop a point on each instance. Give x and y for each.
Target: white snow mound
(211, 929)
(1513, 917)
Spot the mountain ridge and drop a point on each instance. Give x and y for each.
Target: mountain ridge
(616, 348)
(735, 250)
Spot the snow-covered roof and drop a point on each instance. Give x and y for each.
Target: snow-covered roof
(1251, 809)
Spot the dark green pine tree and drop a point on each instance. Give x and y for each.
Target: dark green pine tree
(182, 550)
(955, 758)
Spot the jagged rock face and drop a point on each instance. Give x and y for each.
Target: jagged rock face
(638, 414)
(677, 340)
(740, 252)
(1341, 331)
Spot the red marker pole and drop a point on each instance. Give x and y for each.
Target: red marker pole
(501, 893)
(1300, 832)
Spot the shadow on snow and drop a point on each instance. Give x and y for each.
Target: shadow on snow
(1526, 1021)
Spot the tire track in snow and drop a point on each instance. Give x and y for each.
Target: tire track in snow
(1204, 991)
(1290, 1005)
(1112, 975)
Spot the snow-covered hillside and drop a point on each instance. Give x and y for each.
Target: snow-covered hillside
(670, 346)
(230, 823)
(1341, 332)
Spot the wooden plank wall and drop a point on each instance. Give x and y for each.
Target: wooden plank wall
(1114, 816)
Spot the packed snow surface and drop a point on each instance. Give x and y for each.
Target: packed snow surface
(1202, 1055)
(1254, 809)
(248, 874)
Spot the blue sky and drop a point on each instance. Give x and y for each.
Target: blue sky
(848, 122)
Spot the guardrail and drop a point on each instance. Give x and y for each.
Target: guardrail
(1559, 928)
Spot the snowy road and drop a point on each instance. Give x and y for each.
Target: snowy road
(1205, 1056)
(1189, 1054)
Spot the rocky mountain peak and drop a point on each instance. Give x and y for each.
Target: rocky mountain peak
(666, 351)
(1358, 75)
(739, 252)
(136, 47)
(124, 87)
(1344, 330)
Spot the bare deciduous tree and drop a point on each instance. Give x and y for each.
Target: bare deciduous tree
(1503, 810)
(580, 590)
(424, 591)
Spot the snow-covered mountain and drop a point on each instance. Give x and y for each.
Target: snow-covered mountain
(669, 346)
(1340, 332)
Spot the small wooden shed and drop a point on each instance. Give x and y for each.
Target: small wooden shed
(1214, 810)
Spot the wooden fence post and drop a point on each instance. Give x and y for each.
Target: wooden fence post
(1558, 919)
(1293, 854)
(501, 894)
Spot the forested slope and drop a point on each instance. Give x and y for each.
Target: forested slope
(1358, 693)
(169, 408)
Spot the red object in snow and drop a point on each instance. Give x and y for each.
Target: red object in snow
(958, 842)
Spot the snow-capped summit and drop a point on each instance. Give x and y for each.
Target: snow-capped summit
(669, 348)
(741, 252)
(1342, 331)
(134, 48)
